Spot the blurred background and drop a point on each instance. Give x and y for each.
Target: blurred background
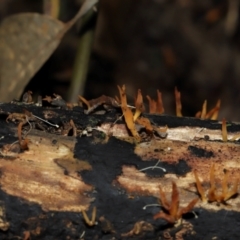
(149, 44)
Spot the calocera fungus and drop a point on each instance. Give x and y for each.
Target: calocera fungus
(178, 103)
(213, 194)
(89, 222)
(174, 213)
(127, 113)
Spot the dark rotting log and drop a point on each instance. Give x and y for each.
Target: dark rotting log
(100, 184)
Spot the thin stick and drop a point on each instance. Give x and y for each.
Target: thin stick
(151, 205)
(156, 164)
(54, 125)
(152, 167)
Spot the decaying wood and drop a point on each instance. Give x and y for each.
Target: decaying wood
(53, 189)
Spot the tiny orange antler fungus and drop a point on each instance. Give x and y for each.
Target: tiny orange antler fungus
(160, 108)
(86, 218)
(178, 103)
(139, 105)
(224, 130)
(127, 113)
(213, 195)
(156, 106)
(174, 213)
(226, 193)
(213, 113)
(200, 188)
(85, 101)
(152, 105)
(204, 110)
(23, 142)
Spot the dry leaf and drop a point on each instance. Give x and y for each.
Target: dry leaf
(38, 36)
(56, 101)
(27, 40)
(94, 103)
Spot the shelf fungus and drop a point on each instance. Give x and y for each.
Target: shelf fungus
(172, 213)
(214, 195)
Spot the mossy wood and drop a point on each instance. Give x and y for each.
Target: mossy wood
(45, 189)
